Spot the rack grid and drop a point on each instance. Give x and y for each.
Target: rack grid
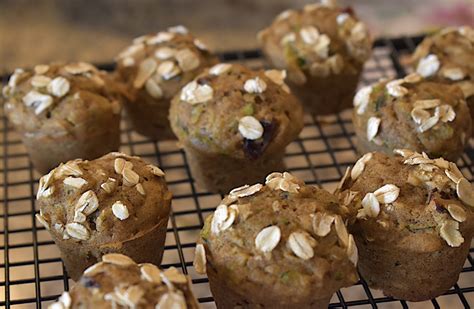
(31, 271)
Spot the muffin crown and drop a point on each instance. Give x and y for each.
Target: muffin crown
(413, 112)
(160, 64)
(319, 40)
(448, 55)
(407, 195)
(111, 199)
(284, 234)
(59, 96)
(233, 110)
(118, 281)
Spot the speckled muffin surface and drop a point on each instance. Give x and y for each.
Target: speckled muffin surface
(63, 112)
(323, 47)
(412, 113)
(236, 121)
(448, 56)
(118, 282)
(116, 203)
(155, 67)
(412, 218)
(285, 238)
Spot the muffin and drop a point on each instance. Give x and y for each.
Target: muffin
(323, 47)
(117, 281)
(278, 245)
(64, 112)
(448, 56)
(412, 218)
(413, 113)
(114, 204)
(154, 68)
(234, 124)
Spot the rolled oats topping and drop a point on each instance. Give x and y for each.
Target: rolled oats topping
(78, 68)
(150, 273)
(109, 185)
(449, 231)
(41, 69)
(173, 275)
(268, 238)
(245, 190)
(465, 192)
(387, 194)
(453, 74)
(373, 127)
(200, 259)
(284, 182)
(428, 66)
(40, 81)
(77, 231)
(278, 77)
(75, 182)
(171, 300)
(41, 219)
(117, 259)
(153, 88)
(301, 244)
(352, 250)
(395, 89)
(361, 99)
(250, 128)
(178, 29)
(220, 68)
(341, 231)
(255, 85)
(59, 87)
(457, 212)
(370, 207)
(40, 102)
(187, 60)
(164, 53)
(412, 78)
(120, 210)
(156, 170)
(223, 218)
(130, 177)
(322, 223)
(168, 69)
(87, 203)
(359, 166)
(140, 189)
(193, 93)
(145, 70)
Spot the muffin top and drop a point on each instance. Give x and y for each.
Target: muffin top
(448, 55)
(284, 234)
(118, 282)
(111, 199)
(57, 97)
(413, 113)
(419, 203)
(158, 65)
(319, 40)
(233, 110)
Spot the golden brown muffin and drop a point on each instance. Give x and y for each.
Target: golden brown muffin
(155, 67)
(412, 113)
(118, 282)
(114, 204)
(281, 245)
(234, 124)
(323, 47)
(448, 56)
(412, 218)
(64, 112)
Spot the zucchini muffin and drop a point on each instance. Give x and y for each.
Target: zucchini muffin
(413, 113)
(278, 245)
(154, 68)
(448, 56)
(413, 220)
(234, 124)
(64, 112)
(118, 282)
(323, 47)
(114, 204)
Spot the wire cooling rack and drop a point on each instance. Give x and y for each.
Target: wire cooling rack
(32, 274)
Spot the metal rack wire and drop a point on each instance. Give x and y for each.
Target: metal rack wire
(32, 274)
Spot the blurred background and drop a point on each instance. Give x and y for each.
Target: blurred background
(38, 31)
